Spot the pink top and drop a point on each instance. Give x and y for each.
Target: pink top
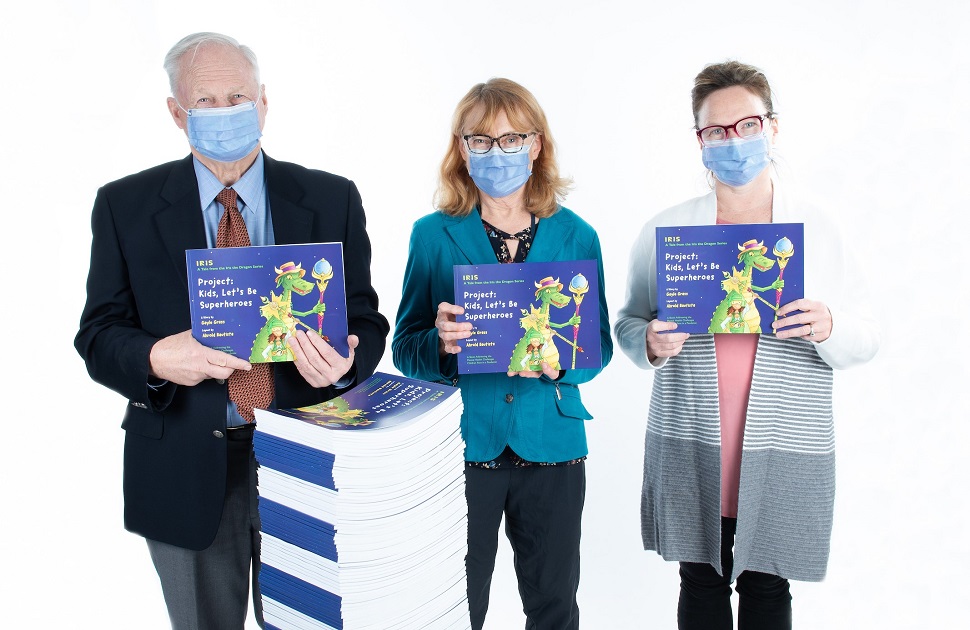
(735, 365)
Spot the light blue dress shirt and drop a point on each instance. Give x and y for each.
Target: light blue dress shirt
(252, 201)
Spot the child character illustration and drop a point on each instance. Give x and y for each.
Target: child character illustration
(734, 322)
(533, 351)
(276, 348)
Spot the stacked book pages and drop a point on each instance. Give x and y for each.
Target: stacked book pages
(362, 503)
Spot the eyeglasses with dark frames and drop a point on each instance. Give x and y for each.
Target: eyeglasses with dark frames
(507, 142)
(744, 128)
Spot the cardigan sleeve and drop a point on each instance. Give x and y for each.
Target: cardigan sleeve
(838, 280)
(640, 306)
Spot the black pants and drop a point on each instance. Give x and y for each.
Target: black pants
(543, 508)
(764, 601)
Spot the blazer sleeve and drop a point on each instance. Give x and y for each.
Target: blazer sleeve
(363, 318)
(110, 339)
(415, 343)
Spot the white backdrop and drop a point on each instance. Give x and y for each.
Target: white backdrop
(873, 101)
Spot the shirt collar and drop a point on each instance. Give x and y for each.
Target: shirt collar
(249, 187)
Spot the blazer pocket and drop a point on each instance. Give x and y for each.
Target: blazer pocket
(143, 422)
(570, 404)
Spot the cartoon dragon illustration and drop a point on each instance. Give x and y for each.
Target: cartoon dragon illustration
(739, 283)
(281, 319)
(336, 412)
(536, 344)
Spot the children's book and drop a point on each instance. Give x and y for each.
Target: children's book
(524, 314)
(729, 278)
(248, 301)
(380, 402)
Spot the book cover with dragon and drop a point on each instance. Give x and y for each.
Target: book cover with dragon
(528, 313)
(247, 301)
(381, 401)
(728, 278)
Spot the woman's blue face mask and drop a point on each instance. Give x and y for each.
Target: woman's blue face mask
(737, 161)
(224, 134)
(499, 174)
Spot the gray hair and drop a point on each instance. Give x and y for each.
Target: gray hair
(192, 43)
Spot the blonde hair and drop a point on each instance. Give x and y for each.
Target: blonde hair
(457, 194)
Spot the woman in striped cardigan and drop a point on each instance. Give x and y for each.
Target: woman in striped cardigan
(733, 489)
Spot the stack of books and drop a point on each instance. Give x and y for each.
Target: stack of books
(362, 503)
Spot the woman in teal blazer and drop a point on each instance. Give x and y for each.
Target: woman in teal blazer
(498, 201)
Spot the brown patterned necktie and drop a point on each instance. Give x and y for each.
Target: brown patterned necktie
(253, 388)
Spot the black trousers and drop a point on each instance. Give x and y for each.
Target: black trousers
(543, 508)
(764, 600)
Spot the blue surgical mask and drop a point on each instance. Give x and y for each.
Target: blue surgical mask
(737, 161)
(224, 134)
(499, 174)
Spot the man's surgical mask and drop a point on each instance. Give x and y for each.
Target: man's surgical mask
(499, 174)
(737, 161)
(224, 134)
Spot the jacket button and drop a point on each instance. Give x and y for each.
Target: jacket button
(218, 433)
(509, 398)
(221, 381)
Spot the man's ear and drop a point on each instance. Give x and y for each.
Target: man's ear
(177, 114)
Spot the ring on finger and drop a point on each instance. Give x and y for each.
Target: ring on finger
(811, 330)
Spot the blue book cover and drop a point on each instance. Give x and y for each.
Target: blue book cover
(297, 528)
(301, 596)
(728, 278)
(297, 460)
(526, 313)
(381, 401)
(247, 301)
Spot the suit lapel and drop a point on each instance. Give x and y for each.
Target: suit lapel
(179, 223)
(551, 235)
(469, 237)
(292, 223)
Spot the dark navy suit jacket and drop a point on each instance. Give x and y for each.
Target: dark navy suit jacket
(137, 293)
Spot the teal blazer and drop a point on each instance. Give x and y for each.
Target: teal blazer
(541, 419)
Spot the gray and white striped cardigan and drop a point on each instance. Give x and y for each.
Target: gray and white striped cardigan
(788, 459)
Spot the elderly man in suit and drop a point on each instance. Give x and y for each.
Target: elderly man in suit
(190, 475)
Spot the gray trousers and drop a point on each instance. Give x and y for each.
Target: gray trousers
(209, 589)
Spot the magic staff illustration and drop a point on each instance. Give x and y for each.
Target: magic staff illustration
(536, 344)
(784, 249)
(322, 272)
(741, 315)
(578, 286)
(281, 320)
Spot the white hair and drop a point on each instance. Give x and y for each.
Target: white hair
(192, 43)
